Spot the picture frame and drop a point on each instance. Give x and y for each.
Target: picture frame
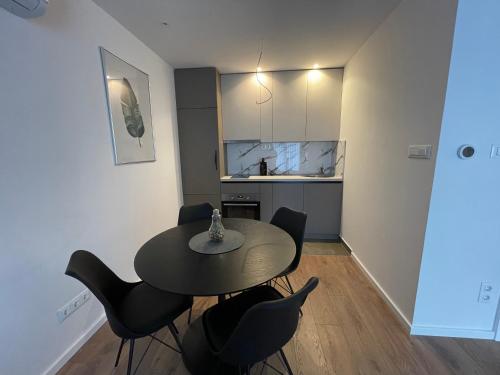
(128, 99)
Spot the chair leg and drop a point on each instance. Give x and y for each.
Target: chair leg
(289, 284)
(119, 352)
(288, 368)
(175, 328)
(130, 356)
(190, 314)
(176, 337)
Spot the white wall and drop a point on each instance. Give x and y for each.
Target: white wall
(393, 96)
(462, 242)
(59, 188)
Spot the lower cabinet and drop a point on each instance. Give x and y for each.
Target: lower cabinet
(266, 202)
(289, 195)
(322, 201)
(323, 205)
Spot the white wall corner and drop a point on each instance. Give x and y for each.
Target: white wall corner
(73, 348)
(381, 290)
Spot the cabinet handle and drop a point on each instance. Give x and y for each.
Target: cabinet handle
(240, 204)
(215, 160)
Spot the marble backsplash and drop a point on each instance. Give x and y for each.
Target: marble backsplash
(290, 158)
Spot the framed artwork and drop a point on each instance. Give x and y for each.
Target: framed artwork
(129, 107)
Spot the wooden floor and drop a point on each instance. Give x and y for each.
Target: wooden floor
(324, 248)
(347, 328)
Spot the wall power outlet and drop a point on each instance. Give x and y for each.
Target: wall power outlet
(486, 292)
(73, 305)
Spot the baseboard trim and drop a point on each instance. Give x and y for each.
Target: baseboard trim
(70, 352)
(347, 246)
(419, 330)
(381, 290)
(311, 237)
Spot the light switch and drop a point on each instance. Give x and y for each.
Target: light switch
(420, 151)
(495, 151)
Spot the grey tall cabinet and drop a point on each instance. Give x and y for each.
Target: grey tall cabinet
(200, 134)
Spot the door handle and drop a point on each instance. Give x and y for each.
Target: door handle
(215, 161)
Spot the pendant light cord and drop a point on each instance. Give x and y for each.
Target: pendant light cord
(257, 76)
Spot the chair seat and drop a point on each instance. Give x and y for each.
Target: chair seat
(145, 309)
(220, 320)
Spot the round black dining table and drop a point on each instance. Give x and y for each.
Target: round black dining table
(166, 261)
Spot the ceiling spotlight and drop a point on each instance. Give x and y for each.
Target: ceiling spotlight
(315, 66)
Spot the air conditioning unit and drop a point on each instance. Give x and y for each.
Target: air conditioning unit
(25, 8)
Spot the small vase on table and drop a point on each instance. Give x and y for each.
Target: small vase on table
(216, 231)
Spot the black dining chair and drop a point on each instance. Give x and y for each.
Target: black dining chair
(242, 331)
(294, 223)
(134, 310)
(188, 214)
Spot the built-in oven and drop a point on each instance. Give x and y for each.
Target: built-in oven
(245, 206)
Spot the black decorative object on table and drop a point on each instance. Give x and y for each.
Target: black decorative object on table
(167, 263)
(203, 244)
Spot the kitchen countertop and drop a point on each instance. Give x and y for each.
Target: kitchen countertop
(282, 178)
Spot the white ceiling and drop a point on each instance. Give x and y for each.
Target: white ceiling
(227, 33)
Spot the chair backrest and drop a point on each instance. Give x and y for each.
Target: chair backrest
(108, 288)
(265, 328)
(188, 214)
(294, 223)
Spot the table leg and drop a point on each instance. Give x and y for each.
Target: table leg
(221, 298)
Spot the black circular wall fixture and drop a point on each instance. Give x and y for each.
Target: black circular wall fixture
(466, 152)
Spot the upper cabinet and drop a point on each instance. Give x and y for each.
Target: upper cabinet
(196, 88)
(324, 98)
(304, 106)
(289, 96)
(266, 105)
(240, 111)
(246, 114)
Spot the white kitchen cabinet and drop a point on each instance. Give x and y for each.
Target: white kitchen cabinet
(266, 108)
(240, 111)
(305, 106)
(324, 98)
(242, 117)
(289, 113)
